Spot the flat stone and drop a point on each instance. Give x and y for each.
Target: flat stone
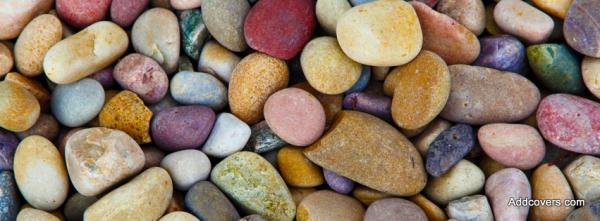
(127, 112)
(186, 167)
(77, 103)
(503, 186)
(463, 179)
(583, 177)
(392, 208)
(329, 205)
(513, 145)
(207, 202)
(474, 207)
(296, 169)
(520, 19)
(19, 110)
(162, 44)
(225, 22)
(197, 88)
(228, 135)
(549, 183)
(581, 27)
(557, 67)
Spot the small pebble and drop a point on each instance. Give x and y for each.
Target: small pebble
(104, 77)
(153, 156)
(179, 216)
(162, 44)
(376, 105)
(17, 14)
(556, 8)
(522, 20)
(329, 205)
(125, 12)
(228, 135)
(207, 202)
(338, 183)
(31, 214)
(432, 211)
(143, 76)
(362, 82)
(253, 217)
(433, 130)
(46, 126)
(217, 60)
(469, 13)
(225, 22)
(474, 207)
(127, 112)
(503, 186)
(80, 13)
(392, 208)
(185, 4)
(262, 139)
(503, 53)
(329, 12)
(8, 145)
(197, 88)
(19, 109)
(581, 27)
(590, 71)
(185, 127)
(367, 195)
(557, 67)
(9, 197)
(463, 179)
(589, 212)
(549, 183)
(448, 148)
(186, 167)
(76, 205)
(6, 59)
(34, 87)
(34, 42)
(583, 176)
(193, 32)
(296, 169)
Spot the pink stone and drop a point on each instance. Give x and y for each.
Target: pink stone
(81, 13)
(520, 19)
(504, 185)
(512, 145)
(124, 12)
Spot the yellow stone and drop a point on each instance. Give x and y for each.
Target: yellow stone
(34, 42)
(548, 182)
(34, 87)
(432, 211)
(329, 205)
(179, 216)
(367, 195)
(31, 214)
(296, 169)
(556, 8)
(19, 109)
(127, 112)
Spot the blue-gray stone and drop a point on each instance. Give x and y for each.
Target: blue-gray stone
(262, 139)
(363, 80)
(75, 104)
(207, 202)
(359, 2)
(448, 148)
(197, 88)
(9, 197)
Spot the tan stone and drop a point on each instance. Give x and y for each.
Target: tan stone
(127, 112)
(19, 110)
(367, 195)
(328, 205)
(34, 42)
(179, 216)
(548, 183)
(300, 193)
(464, 179)
(34, 87)
(329, 11)
(31, 214)
(6, 59)
(16, 14)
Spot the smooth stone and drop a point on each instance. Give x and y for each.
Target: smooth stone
(393, 208)
(557, 67)
(80, 14)
(338, 183)
(127, 112)
(504, 185)
(143, 76)
(162, 44)
(583, 177)
(6, 59)
(39, 167)
(512, 145)
(433, 130)
(17, 14)
(197, 88)
(193, 32)
(31, 214)
(258, 188)
(262, 139)
(19, 109)
(76, 205)
(367, 195)
(376, 105)
(450, 147)
(253, 217)
(184, 64)
(522, 20)
(362, 82)
(8, 145)
(556, 8)
(253, 80)
(145, 197)
(185, 4)
(332, 104)
(469, 13)
(90, 50)
(328, 13)
(570, 122)
(217, 60)
(34, 42)
(179, 216)
(298, 194)
(421, 89)
(153, 156)
(9, 196)
(104, 77)
(33, 86)
(589, 212)
(582, 27)
(296, 169)
(207, 202)
(549, 183)
(125, 12)
(46, 126)
(327, 68)
(77, 103)
(380, 33)
(457, 46)
(225, 22)
(474, 207)
(482, 95)
(327, 205)
(228, 135)
(366, 158)
(280, 28)
(590, 71)
(432, 211)
(186, 167)
(503, 53)
(463, 179)
(185, 127)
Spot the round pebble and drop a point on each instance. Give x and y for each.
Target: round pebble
(332, 104)
(179, 216)
(503, 53)
(469, 13)
(392, 208)
(432, 211)
(556, 8)
(225, 22)
(363, 80)
(125, 12)
(217, 60)
(522, 20)
(127, 112)
(77, 103)
(8, 145)
(338, 183)
(433, 130)
(184, 127)
(449, 148)
(581, 27)
(19, 110)
(143, 76)
(463, 179)
(329, 12)
(296, 169)
(228, 135)
(162, 44)
(329, 205)
(557, 67)
(513, 145)
(197, 88)
(81, 13)
(186, 167)
(34, 42)
(207, 202)
(367, 195)
(504, 185)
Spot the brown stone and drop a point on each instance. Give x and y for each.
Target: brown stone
(19, 110)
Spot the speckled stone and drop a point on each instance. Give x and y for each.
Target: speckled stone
(513, 145)
(179, 216)
(124, 12)
(450, 147)
(523, 20)
(193, 32)
(329, 205)
(228, 135)
(557, 67)
(503, 53)
(225, 21)
(583, 177)
(8, 145)
(549, 183)
(296, 169)
(429, 135)
(207, 202)
(338, 183)
(161, 44)
(262, 139)
(590, 71)
(31, 214)
(217, 60)
(19, 109)
(9, 196)
(393, 208)
(376, 105)
(581, 27)
(474, 207)
(503, 186)
(186, 167)
(127, 112)
(34, 41)
(76, 206)
(432, 211)
(143, 76)
(463, 179)
(258, 190)
(365, 158)
(469, 13)
(184, 127)
(197, 88)
(367, 195)
(46, 126)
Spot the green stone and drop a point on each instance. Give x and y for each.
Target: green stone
(254, 184)
(557, 67)
(193, 32)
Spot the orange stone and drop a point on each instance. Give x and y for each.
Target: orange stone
(432, 211)
(34, 87)
(367, 195)
(127, 112)
(19, 110)
(548, 182)
(296, 170)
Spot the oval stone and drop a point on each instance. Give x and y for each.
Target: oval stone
(225, 21)
(329, 205)
(329, 12)
(448, 148)
(557, 67)
(392, 208)
(583, 177)
(77, 103)
(39, 167)
(380, 33)
(482, 95)
(549, 183)
(34, 42)
(332, 104)
(228, 135)
(184, 127)
(16, 14)
(512, 145)
(81, 13)
(9, 197)
(127, 112)
(198, 88)
(296, 169)
(504, 185)
(590, 71)
(522, 20)
(463, 179)
(19, 109)
(162, 44)
(338, 183)
(33, 86)
(503, 53)
(143, 76)
(207, 202)
(90, 50)
(186, 167)
(217, 60)
(582, 27)
(124, 12)
(469, 13)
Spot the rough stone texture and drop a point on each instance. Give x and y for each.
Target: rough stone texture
(81, 13)
(464, 179)
(225, 21)
(77, 103)
(582, 27)
(19, 109)
(296, 169)
(503, 53)
(186, 167)
(393, 208)
(162, 44)
(469, 13)
(143, 76)
(328, 205)
(9, 196)
(217, 60)
(474, 207)
(549, 183)
(124, 12)
(448, 148)
(367, 159)
(262, 139)
(33, 43)
(229, 135)
(557, 67)
(504, 185)
(16, 14)
(127, 112)
(520, 19)
(207, 202)
(590, 71)
(583, 177)
(184, 127)
(432, 211)
(512, 145)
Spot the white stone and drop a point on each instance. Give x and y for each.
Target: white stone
(229, 135)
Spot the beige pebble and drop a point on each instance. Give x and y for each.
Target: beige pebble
(34, 42)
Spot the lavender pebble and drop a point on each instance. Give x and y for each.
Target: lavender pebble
(338, 183)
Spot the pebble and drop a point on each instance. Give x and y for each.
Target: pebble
(46, 126)
(474, 207)
(367, 195)
(193, 32)
(179, 216)
(570, 122)
(262, 139)
(332, 104)
(329, 12)
(207, 202)
(463, 179)
(458, 46)
(421, 90)
(433, 130)
(469, 13)
(9, 197)
(367, 158)
(338, 183)
(557, 67)
(6, 59)
(186, 167)
(39, 167)
(161, 44)
(280, 28)
(80, 14)
(31, 214)
(253, 217)
(253, 80)
(362, 82)
(229, 135)
(432, 211)
(143, 76)
(583, 176)
(329, 205)
(186, 4)
(90, 50)
(17, 14)
(125, 12)
(376, 105)
(19, 109)
(184, 127)
(76, 205)
(503, 53)
(482, 95)
(522, 20)
(380, 33)
(258, 188)
(556, 8)
(590, 71)
(589, 212)
(225, 22)
(104, 77)
(34, 42)
(197, 88)
(581, 27)
(327, 68)
(217, 60)
(392, 208)
(34, 87)
(448, 148)
(296, 169)
(298, 194)
(549, 183)
(8, 145)
(77, 103)
(145, 197)
(127, 112)
(504, 185)
(512, 145)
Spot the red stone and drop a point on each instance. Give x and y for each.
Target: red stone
(570, 122)
(280, 28)
(81, 13)
(124, 12)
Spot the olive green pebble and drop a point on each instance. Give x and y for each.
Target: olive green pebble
(557, 67)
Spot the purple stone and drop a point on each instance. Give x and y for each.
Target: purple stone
(8, 145)
(105, 77)
(448, 148)
(502, 52)
(338, 183)
(582, 27)
(377, 105)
